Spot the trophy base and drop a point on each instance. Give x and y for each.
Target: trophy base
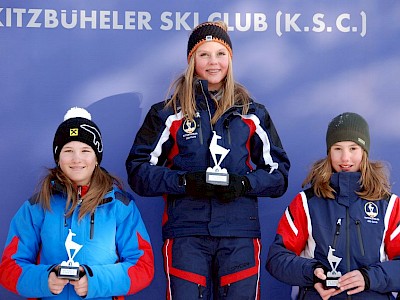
(217, 178)
(68, 272)
(332, 280)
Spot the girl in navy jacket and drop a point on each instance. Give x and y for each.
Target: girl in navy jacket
(339, 239)
(211, 231)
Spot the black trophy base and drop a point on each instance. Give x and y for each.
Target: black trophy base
(217, 178)
(68, 272)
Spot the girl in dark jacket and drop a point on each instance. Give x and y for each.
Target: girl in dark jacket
(210, 150)
(339, 238)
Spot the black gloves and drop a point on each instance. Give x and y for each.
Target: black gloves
(197, 186)
(367, 282)
(238, 186)
(315, 278)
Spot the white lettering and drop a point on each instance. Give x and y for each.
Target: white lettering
(290, 22)
(91, 19)
(260, 22)
(104, 19)
(318, 22)
(74, 19)
(339, 22)
(35, 15)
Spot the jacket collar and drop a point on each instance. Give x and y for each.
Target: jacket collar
(346, 184)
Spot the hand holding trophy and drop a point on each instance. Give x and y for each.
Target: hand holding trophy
(333, 276)
(217, 175)
(70, 269)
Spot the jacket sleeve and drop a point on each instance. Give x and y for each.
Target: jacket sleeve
(145, 165)
(284, 261)
(19, 271)
(385, 276)
(270, 177)
(135, 269)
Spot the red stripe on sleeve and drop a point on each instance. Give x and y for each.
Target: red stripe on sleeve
(294, 241)
(10, 271)
(392, 247)
(142, 273)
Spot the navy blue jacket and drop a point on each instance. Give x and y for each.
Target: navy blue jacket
(167, 146)
(365, 234)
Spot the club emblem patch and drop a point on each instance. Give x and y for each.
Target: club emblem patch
(371, 211)
(189, 126)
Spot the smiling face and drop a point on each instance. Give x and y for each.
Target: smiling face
(346, 156)
(77, 161)
(211, 63)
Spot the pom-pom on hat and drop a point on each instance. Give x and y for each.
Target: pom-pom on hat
(78, 126)
(348, 126)
(206, 32)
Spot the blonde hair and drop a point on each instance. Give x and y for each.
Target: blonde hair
(183, 95)
(101, 183)
(374, 181)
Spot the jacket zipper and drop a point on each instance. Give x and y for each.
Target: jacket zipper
(348, 243)
(337, 232)
(360, 240)
(91, 226)
(200, 130)
(226, 125)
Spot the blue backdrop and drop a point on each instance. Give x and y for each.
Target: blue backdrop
(306, 60)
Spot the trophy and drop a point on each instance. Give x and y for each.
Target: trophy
(333, 276)
(70, 269)
(217, 175)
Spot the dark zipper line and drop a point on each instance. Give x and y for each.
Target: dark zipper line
(348, 243)
(91, 226)
(360, 239)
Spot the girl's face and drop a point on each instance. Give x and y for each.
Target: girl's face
(77, 161)
(211, 63)
(346, 156)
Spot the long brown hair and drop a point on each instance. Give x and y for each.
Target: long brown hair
(374, 181)
(100, 184)
(183, 88)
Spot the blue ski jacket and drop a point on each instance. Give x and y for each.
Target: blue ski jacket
(116, 251)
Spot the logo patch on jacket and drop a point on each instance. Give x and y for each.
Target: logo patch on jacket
(189, 127)
(371, 210)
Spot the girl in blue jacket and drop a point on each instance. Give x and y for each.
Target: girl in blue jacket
(81, 235)
(339, 239)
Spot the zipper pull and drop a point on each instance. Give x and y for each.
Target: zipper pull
(79, 196)
(337, 232)
(200, 291)
(338, 224)
(226, 288)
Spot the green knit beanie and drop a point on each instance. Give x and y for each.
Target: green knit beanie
(348, 126)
